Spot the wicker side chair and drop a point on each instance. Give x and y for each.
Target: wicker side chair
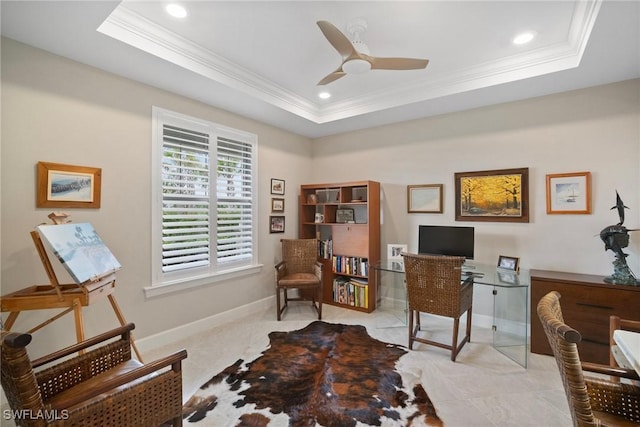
(299, 269)
(434, 286)
(99, 386)
(593, 400)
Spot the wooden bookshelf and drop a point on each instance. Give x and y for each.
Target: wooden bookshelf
(345, 218)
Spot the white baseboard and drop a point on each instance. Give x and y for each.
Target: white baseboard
(183, 331)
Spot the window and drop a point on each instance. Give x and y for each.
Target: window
(204, 199)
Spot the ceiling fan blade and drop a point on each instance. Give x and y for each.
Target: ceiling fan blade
(338, 40)
(332, 77)
(397, 63)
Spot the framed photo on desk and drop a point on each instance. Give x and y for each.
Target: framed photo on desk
(508, 263)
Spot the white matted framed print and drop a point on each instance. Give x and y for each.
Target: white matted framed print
(425, 198)
(394, 251)
(569, 193)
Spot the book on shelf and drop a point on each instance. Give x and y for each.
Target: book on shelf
(351, 291)
(356, 266)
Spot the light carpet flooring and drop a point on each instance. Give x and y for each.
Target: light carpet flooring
(482, 388)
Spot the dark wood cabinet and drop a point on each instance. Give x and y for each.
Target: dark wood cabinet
(587, 302)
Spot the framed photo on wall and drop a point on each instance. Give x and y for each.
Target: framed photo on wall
(277, 205)
(277, 186)
(276, 224)
(569, 193)
(67, 186)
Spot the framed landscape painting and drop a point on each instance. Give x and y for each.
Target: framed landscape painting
(67, 186)
(494, 195)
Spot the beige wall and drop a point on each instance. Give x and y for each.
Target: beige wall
(596, 130)
(57, 110)
(61, 111)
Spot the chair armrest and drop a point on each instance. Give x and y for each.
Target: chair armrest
(613, 371)
(281, 269)
(124, 331)
(174, 360)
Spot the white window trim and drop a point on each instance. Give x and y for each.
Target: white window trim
(163, 283)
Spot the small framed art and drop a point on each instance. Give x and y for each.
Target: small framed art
(425, 198)
(569, 193)
(508, 263)
(67, 186)
(394, 251)
(276, 224)
(277, 186)
(277, 205)
(344, 215)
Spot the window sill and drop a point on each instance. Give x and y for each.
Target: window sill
(183, 284)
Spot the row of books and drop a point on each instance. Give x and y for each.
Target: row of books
(355, 265)
(325, 248)
(351, 291)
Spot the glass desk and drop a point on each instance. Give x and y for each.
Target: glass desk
(509, 292)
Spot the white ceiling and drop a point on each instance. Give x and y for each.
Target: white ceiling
(262, 59)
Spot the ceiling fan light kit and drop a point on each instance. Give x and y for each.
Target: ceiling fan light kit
(355, 53)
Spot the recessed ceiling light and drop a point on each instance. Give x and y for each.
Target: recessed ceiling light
(524, 37)
(176, 10)
(324, 95)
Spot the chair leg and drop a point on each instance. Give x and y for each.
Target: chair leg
(320, 303)
(279, 317)
(454, 345)
(410, 329)
(469, 324)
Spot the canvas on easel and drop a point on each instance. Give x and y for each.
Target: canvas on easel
(88, 261)
(80, 250)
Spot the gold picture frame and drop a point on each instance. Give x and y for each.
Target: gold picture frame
(68, 186)
(424, 198)
(569, 193)
(495, 195)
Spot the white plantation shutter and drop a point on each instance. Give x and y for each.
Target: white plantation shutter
(235, 200)
(185, 199)
(205, 177)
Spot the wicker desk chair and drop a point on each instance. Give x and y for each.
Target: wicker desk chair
(101, 387)
(299, 269)
(434, 287)
(593, 401)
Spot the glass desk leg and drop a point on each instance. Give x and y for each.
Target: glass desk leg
(510, 313)
(392, 300)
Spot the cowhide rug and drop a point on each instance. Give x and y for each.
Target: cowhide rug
(324, 374)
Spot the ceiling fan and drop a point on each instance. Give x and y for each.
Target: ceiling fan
(355, 53)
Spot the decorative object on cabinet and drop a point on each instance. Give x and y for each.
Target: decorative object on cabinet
(616, 356)
(433, 287)
(569, 193)
(301, 270)
(345, 249)
(426, 198)
(495, 195)
(68, 186)
(92, 383)
(344, 216)
(277, 186)
(277, 205)
(592, 400)
(508, 263)
(587, 303)
(276, 224)
(616, 237)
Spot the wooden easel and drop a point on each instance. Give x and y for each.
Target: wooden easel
(70, 297)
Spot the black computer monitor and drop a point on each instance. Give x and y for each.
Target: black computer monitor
(446, 240)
